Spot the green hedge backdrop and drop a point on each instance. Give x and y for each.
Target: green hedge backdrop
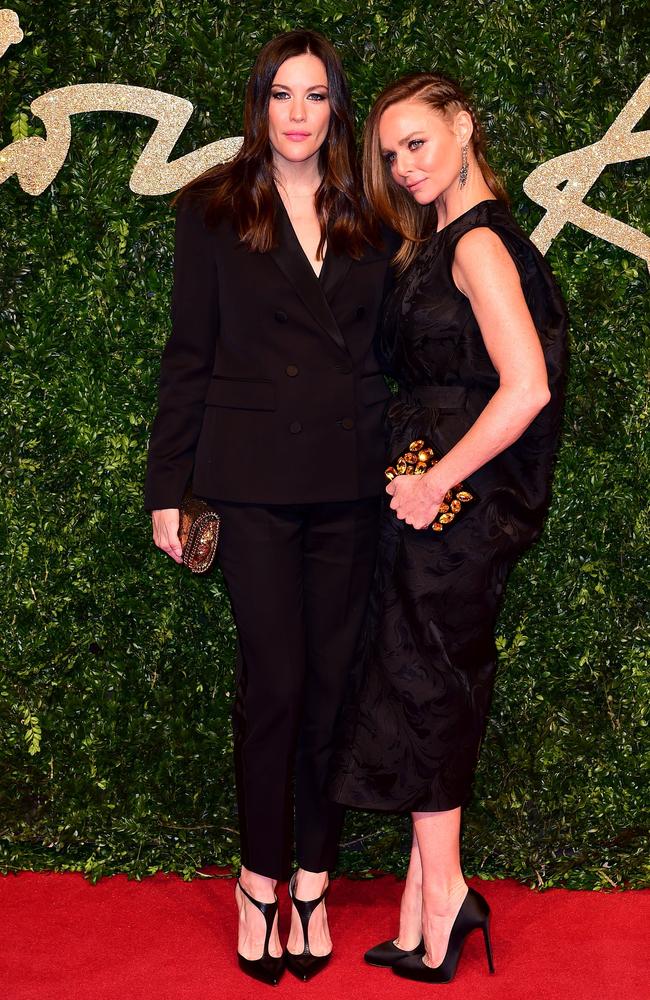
(116, 665)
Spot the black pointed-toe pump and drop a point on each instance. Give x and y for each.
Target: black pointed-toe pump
(305, 965)
(267, 968)
(473, 914)
(387, 954)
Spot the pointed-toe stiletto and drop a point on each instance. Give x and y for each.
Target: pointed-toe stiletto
(473, 914)
(305, 965)
(267, 968)
(387, 954)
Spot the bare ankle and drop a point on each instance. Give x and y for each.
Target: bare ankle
(441, 890)
(411, 902)
(413, 885)
(260, 887)
(313, 882)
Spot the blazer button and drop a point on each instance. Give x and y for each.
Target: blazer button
(348, 423)
(291, 370)
(295, 427)
(281, 316)
(361, 312)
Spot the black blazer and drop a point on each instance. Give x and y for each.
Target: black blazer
(270, 389)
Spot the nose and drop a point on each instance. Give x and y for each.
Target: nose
(401, 164)
(297, 111)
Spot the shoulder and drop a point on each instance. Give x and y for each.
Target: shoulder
(190, 210)
(480, 247)
(483, 263)
(479, 229)
(194, 224)
(475, 242)
(486, 246)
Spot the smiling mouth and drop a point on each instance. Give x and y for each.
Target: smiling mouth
(411, 187)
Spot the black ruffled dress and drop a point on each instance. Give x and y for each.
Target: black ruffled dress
(415, 718)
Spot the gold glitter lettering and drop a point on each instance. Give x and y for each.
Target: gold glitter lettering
(559, 185)
(37, 161)
(10, 31)
(579, 170)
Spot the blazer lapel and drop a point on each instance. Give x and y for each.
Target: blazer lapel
(290, 258)
(333, 274)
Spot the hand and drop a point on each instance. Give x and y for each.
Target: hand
(165, 532)
(416, 499)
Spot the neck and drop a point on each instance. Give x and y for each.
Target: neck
(297, 178)
(455, 200)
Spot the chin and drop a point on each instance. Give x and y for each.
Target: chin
(422, 197)
(297, 152)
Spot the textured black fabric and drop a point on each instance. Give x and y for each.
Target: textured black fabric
(416, 714)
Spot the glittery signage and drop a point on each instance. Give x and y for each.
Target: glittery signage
(37, 161)
(559, 185)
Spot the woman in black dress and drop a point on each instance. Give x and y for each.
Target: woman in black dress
(475, 335)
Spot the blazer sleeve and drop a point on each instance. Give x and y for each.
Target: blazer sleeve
(187, 360)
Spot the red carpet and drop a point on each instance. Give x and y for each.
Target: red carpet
(165, 939)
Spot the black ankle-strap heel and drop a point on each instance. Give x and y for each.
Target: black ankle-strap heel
(267, 968)
(473, 914)
(306, 965)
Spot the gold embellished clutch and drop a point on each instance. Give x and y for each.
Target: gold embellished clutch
(198, 530)
(417, 460)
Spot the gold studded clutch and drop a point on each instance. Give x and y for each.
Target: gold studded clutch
(417, 460)
(198, 530)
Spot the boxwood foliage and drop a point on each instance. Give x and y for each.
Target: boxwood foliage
(116, 665)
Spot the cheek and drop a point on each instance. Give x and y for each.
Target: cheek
(323, 113)
(440, 158)
(275, 115)
(430, 159)
(271, 119)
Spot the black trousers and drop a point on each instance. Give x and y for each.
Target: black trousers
(298, 578)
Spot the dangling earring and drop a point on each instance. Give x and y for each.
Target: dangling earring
(462, 177)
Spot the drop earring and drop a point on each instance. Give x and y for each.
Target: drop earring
(462, 177)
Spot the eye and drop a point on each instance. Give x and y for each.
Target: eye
(279, 94)
(388, 159)
(318, 97)
(415, 143)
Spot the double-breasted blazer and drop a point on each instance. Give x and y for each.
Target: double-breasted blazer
(270, 387)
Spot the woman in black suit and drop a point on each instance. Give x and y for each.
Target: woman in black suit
(271, 399)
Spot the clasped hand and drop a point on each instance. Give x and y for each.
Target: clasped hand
(416, 499)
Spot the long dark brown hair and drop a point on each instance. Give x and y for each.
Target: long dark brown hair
(243, 188)
(392, 203)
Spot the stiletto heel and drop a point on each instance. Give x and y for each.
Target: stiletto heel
(488, 944)
(267, 968)
(474, 913)
(305, 965)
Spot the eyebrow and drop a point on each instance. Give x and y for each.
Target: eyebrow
(406, 139)
(315, 86)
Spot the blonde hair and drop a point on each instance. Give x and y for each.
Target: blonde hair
(388, 200)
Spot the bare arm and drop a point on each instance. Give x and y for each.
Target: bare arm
(484, 271)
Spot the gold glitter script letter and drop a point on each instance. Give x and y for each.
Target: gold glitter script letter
(579, 170)
(37, 161)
